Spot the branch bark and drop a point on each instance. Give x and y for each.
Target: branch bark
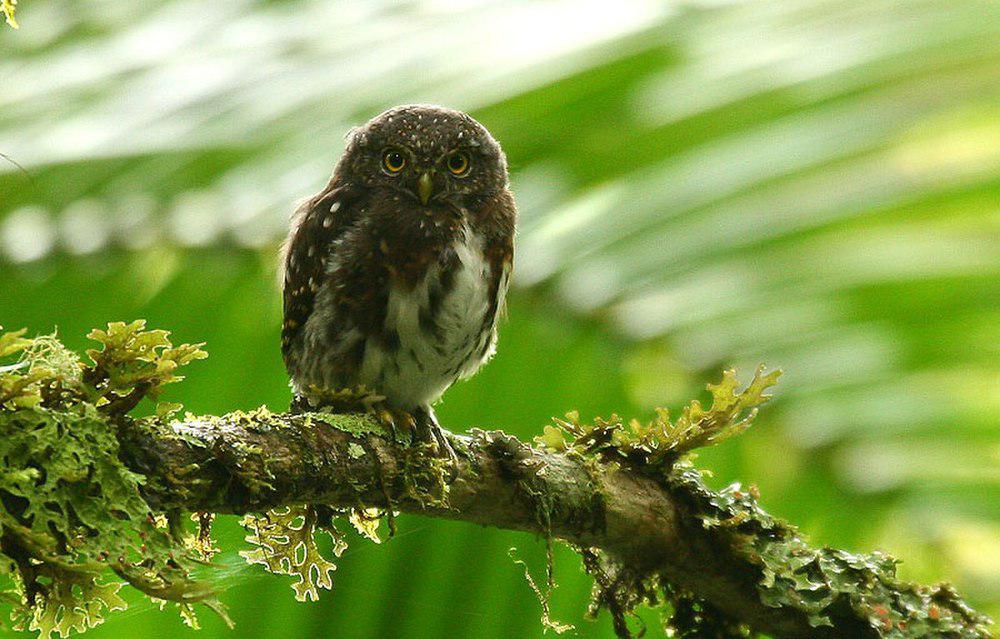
(656, 529)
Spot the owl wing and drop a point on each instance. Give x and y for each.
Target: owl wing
(316, 224)
(499, 252)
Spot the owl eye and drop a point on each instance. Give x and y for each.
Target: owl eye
(393, 161)
(458, 163)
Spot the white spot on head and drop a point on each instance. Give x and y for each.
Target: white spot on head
(335, 207)
(327, 221)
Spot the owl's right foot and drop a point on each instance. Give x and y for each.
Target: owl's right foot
(395, 420)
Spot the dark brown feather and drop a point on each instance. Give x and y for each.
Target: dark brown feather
(314, 229)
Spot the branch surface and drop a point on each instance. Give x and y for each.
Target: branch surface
(652, 528)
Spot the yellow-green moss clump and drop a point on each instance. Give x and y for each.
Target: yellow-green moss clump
(661, 442)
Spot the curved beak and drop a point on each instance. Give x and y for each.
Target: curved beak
(425, 188)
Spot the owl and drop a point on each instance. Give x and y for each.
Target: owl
(396, 272)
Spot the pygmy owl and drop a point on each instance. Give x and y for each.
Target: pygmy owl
(396, 272)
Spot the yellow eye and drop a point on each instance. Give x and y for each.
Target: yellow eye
(458, 163)
(393, 161)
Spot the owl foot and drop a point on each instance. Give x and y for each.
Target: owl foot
(429, 430)
(395, 421)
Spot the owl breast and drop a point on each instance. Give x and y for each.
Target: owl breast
(445, 327)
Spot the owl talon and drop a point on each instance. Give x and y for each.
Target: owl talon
(388, 421)
(430, 431)
(396, 421)
(445, 446)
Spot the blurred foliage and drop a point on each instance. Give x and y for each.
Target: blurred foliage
(810, 183)
(8, 7)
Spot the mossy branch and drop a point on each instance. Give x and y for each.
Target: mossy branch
(647, 527)
(666, 532)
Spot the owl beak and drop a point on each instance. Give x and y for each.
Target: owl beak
(425, 188)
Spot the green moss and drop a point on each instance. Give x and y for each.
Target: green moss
(425, 475)
(357, 424)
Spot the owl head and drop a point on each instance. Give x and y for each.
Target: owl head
(436, 156)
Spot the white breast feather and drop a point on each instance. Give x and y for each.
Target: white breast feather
(459, 321)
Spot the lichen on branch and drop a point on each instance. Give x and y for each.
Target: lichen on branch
(95, 486)
(284, 542)
(658, 444)
(73, 519)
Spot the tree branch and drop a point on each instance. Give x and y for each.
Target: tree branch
(654, 529)
(87, 489)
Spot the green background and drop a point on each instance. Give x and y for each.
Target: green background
(810, 184)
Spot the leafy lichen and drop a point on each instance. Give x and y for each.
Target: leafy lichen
(134, 363)
(284, 542)
(659, 443)
(822, 583)
(366, 521)
(73, 522)
(825, 585)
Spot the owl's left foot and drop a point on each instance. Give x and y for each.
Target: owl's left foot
(422, 426)
(429, 430)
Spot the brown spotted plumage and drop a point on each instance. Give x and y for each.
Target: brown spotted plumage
(396, 272)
